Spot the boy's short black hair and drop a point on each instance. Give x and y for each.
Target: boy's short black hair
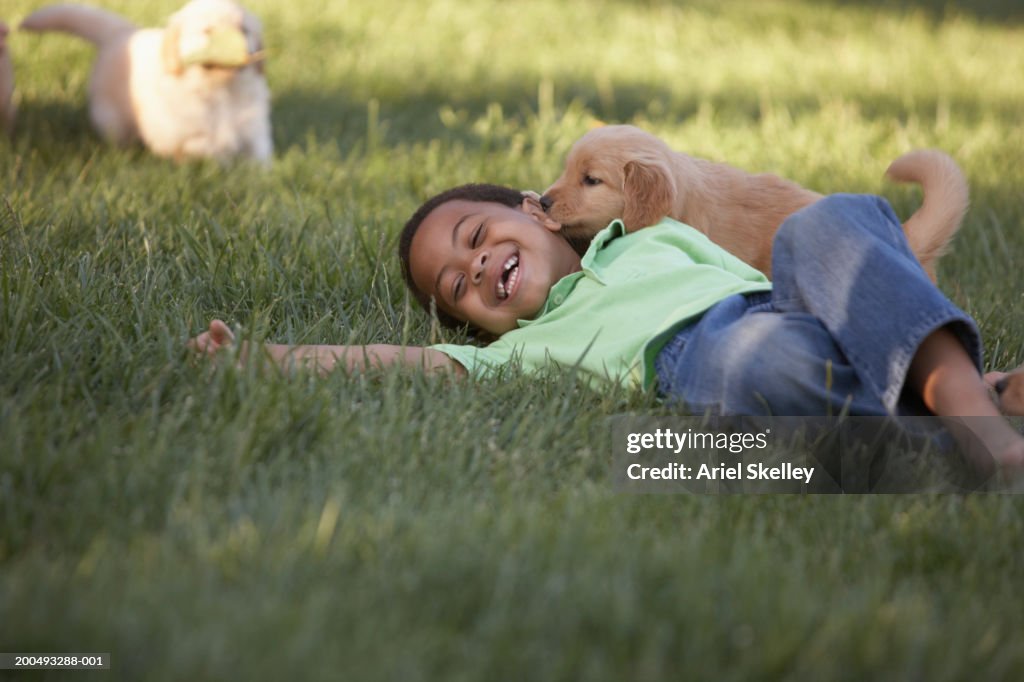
(482, 193)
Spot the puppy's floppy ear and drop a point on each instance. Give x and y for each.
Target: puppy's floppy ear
(648, 193)
(170, 52)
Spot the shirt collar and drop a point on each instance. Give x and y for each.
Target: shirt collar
(614, 230)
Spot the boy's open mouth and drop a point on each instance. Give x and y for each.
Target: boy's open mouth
(508, 279)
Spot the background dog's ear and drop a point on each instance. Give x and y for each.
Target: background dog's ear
(170, 51)
(648, 192)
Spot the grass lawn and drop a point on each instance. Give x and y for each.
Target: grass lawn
(206, 522)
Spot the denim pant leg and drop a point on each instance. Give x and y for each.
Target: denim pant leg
(745, 358)
(846, 261)
(849, 307)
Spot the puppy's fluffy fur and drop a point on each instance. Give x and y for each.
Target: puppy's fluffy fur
(141, 89)
(6, 83)
(623, 172)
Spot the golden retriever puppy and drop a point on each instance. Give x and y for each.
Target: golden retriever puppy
(193, 89)
(6, 83)
(620, 171)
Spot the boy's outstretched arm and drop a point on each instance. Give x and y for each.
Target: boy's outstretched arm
(326, 359)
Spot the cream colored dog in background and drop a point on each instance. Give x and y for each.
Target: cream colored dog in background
(620, 171)
(6, 83)
(193, 89)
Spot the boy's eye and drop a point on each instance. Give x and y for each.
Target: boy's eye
(457, 287)
(475, 237)
(591, 180)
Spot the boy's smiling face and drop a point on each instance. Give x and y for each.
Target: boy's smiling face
(489, 264)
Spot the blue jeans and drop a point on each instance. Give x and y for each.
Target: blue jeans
(849, 308)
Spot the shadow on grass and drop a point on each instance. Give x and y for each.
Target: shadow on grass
(61, 128)
(416, 117)
(340, 116)
(60, 120)
(999, 11)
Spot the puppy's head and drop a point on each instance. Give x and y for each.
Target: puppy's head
(214, 39)
(612, 172)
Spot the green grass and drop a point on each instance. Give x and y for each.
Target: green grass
(204, 522)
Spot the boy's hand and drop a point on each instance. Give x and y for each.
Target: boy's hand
(218, 336)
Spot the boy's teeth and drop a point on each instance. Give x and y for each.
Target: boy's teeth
(512, 262)
(513, 278)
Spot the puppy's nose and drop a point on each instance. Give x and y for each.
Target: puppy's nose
(545, 202)
(1002, 384)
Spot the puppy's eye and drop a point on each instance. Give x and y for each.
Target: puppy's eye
(591, 181)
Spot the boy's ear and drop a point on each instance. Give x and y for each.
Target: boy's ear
(531, 206)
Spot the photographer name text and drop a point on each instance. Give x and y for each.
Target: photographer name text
(721, 472)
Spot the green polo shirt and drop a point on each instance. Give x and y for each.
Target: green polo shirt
(610, 319)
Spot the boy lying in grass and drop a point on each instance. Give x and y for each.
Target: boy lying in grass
(850, 321)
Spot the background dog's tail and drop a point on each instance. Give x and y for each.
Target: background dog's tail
(932, 226)
(94, 24)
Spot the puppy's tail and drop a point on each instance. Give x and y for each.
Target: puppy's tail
(95, 25)
(932, 226)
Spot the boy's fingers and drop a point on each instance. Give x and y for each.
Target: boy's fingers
(213, 339)
(220, 334)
